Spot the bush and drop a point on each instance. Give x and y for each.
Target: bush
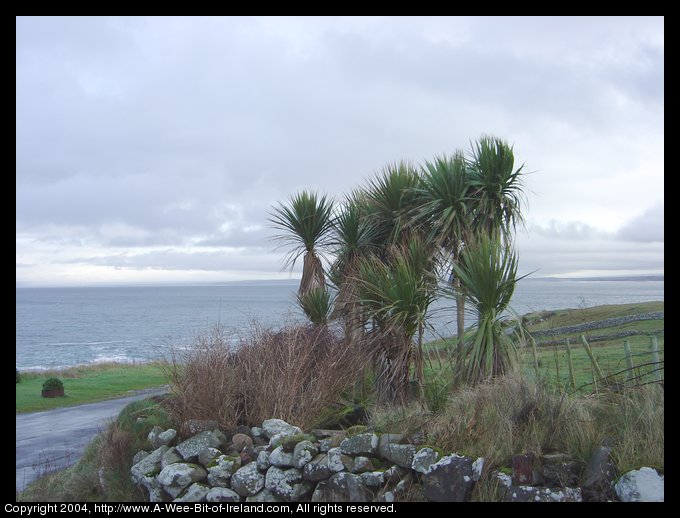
(18, 376)
(52, 384)
(292, 374)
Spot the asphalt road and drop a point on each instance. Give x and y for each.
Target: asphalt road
(55, 439)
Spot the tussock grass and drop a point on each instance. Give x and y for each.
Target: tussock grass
(293, 374)
(498, 419)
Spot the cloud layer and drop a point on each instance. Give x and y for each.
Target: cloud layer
(159, 144)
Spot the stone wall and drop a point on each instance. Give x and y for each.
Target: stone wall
(278, 463)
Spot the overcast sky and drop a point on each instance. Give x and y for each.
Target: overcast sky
(150, 149)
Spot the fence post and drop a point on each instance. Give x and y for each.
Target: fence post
(557, 368)
(533, 350)
(593, 361)
(571, 367)
(655, 358)
(629, 360)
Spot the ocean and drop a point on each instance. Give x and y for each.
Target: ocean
(60, 327)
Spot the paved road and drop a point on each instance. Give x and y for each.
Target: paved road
(55, 439)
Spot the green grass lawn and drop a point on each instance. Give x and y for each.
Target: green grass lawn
(552, 358)
(86, 384)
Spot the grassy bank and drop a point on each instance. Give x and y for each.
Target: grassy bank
(86, 384)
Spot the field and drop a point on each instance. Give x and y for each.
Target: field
(86, 384)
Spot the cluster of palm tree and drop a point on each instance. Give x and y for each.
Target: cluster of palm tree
(392, 244)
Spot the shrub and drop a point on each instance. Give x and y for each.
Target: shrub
(292, 374)
(18, 376)
(52, 384)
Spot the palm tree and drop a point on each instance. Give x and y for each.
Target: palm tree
(443, 207)
(488, 269)
(317, 305)
(497, 187)
(397, 292)
(305, 223)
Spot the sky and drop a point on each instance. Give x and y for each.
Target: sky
(150, 150)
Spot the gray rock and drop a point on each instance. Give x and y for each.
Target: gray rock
(394, 474)
(153, 488)
(449, 479)
(240, 441)
(287, 484)
(542, 494)
(159, 437)
(221, 469)
(148, 466)
(477, 468)
(423, 459)
(598, 476)
(139, 456)
(342, 487)
(152, 437)
(400, 454)
(175, 478)
(325, 444)
(195, 426)
(207, 455)
(256, 431)
(264, 496)
(280, 458)
(360, 444)
(526, 470)
(193, 446)
(388, 438)
(640, 485)
(373, 478)
(337, 461)
(317, 469)
(304, 452)
(361, 465)
(273, 427)
(263, 460)
(167, 436)
(222, 494)
(170, 457)
(247, 481)
(194, 493)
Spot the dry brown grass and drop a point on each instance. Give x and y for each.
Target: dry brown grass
(293, 374)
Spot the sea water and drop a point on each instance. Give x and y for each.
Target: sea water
(58, 327)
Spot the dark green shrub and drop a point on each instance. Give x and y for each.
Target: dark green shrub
(18, 376)
(52, 384)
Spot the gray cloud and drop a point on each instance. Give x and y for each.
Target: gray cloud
(645, 228)
(140, 134)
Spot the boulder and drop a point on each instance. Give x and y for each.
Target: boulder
(477, 468)
(287, 484)
(277, 427)
(400, 454)
(360, 444)
(194, 493)
(153, 437)
(175, 478)
(264, 496)
(560, 470)
(195, 426)
(526, 470)
(317, 469)
(222, 494)
(153, 488)
(387, 439)
(280, 458)
(247, 481)
(373, 479)
(139, 456)
(170, 457)
(193, 446)
(304, 452)
(423, 459)
(640, 485)
(342, 487)
(542, 494)
(149, 466)
(207, 455)
(598, 476)
(240, 441)
(337, 461)
(263, 460)
(361, 465)
(221, 469)
(449, 479)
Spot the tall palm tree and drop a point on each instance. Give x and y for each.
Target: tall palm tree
(488, 269)
(443, 207)
(497, 187)
(305, 224)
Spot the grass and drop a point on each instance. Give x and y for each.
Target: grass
(86, 384)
